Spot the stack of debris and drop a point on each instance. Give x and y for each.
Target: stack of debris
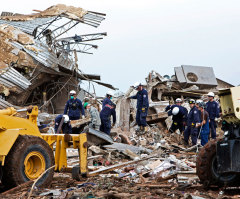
(189, 82)
(38, 65)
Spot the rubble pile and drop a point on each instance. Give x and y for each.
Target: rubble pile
(39, 67)
(163, 171)
(38, 64)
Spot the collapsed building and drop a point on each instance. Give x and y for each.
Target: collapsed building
(188, 82)
(38, 63)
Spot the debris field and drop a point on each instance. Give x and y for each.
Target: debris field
(38, 66)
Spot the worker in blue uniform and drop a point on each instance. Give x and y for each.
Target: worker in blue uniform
(179, 102)
(213, 111)
(74, 107)
(105, 115)
(192, 124)
(66, 125)
(108, 98)
(204, 125)
(179, 114)
(142, 106)
(198, 102)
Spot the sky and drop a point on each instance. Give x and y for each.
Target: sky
(145, 35)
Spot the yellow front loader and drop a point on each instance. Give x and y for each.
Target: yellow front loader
(25, 153)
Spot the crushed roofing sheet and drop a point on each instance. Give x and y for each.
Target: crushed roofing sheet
(28, 26)
(11, 78)
(41, 54)
(71, 12)
(4, 104)
(42, 17)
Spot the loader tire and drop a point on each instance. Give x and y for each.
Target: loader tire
(29, 157)
(207, 167)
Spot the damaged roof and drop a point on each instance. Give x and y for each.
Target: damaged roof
(70, 12)
(35, 50)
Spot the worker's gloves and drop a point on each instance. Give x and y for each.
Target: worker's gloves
(198, 124)
(218, 119)
(113, 124)
(143, 110)
(193, 125)
(83, 116)
(175, 123)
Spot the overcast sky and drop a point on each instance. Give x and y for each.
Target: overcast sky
(145, 35)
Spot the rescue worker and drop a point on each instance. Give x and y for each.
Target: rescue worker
(95, 117)
(142, 105)
(73, 107)
(204, 125)
(178, 117)
(105, 115)
(108, 98)
(199, 101)
(192, 121)
(179, 103)
(213, 111)
(179, 114)
(66, 125)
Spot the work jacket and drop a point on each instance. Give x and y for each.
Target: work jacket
(73, 108)
(107, 112)
(66, 127)
(181, 116)
(212, 109)
(142, 99)
(95, 117)
(106, 101)
(193, 117)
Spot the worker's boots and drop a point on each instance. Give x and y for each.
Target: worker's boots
(144, 130)
(185, 143)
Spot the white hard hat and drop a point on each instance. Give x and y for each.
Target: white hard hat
(210, 94)
(199, 101)
(110, 93)
(66, 118)
(73, 92)
(136, 85)
(191, 101)
(178, 100)
(175, 111)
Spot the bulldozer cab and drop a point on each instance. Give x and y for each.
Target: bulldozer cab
(230, 104)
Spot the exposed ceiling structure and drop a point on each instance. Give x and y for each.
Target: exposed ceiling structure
(35, 53)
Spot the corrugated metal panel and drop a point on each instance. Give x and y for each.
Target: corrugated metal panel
(44, 56)
(12, 78)
(16, 78)
(4, 104)
(66, 62)
(28, 26)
